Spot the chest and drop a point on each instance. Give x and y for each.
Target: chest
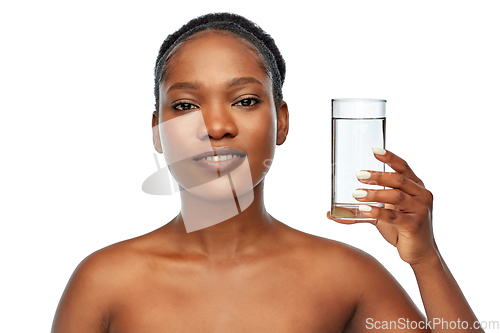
(267, 300)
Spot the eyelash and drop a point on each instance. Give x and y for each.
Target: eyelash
(253, 101)
(176, 105)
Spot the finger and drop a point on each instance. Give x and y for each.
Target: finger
(402, 201)
(329, 216)
(385, 215)
(390, 179)
(397, 163)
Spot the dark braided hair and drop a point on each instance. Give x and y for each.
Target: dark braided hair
(261, 42)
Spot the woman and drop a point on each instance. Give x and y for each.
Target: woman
(224, 264)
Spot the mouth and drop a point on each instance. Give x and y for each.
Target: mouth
(221, 160)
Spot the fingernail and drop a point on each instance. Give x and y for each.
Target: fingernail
(365, 208)
(378, 151)
(362, 174)
(359, 193)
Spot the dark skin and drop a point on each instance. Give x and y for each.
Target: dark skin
(253, 273)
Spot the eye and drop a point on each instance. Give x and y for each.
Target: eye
(183, 106)
(248, 101)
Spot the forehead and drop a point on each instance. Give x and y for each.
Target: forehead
(214, 55)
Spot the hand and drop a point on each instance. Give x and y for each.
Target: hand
(406, 219)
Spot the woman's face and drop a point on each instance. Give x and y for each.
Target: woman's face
(216, 99)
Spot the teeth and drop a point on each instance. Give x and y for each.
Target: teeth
(219, 158)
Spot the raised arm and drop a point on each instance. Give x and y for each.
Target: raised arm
(406, 223)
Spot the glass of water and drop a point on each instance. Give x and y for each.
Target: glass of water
(358, 125)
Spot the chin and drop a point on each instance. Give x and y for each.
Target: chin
(223, 189)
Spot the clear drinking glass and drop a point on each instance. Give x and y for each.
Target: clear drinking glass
(357, 126)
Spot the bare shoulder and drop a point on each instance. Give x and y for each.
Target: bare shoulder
(335, 254)
(360, 269)
(363, 280)
(91, 294)
(110, 265)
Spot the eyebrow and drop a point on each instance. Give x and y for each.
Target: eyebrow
(184, 86)
(239, 81)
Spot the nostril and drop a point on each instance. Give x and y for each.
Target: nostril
(219, 123)
(218, 137)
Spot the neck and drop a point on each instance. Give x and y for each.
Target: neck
(223, 228)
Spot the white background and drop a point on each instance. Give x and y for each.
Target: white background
(77, 97)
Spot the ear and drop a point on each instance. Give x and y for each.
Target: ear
(282, 131)
(156, 132)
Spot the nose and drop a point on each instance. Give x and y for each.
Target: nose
(219, 122)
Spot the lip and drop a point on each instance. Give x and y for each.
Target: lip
(220, 166)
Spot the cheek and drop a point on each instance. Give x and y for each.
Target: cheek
(263, 137)
(180, 137)
(264, 131)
